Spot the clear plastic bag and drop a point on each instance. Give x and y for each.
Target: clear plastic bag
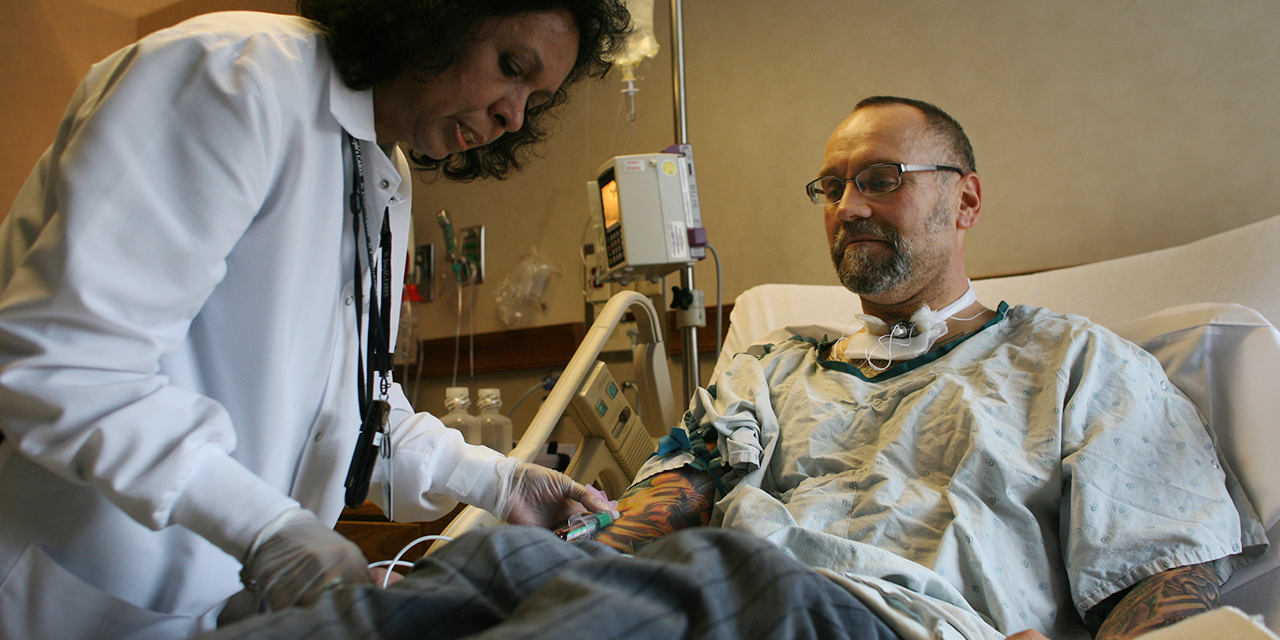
(525, 291)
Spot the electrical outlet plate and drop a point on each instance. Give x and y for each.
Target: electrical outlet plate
(471, 246)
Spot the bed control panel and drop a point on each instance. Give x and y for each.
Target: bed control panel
(600, 409)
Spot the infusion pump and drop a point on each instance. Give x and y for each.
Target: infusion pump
(645, 217)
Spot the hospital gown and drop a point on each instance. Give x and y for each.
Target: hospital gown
(1032, 469)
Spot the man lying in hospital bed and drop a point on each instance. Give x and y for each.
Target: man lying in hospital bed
(983, 472)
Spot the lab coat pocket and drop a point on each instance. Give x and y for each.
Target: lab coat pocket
(40, 599)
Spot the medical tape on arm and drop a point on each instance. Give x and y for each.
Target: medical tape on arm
(689, 440)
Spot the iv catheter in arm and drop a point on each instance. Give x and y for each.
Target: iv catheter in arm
(595, 460)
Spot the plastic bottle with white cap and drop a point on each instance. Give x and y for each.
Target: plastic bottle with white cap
(495, 428)
(457, 400)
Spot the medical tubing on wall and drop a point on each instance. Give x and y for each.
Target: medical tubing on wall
(471, 355)
(457, 339)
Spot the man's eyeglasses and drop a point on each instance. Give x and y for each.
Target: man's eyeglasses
(875, 180)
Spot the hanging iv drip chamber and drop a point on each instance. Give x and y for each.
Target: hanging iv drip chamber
(640, 44)
(629, 77)
(903, 340)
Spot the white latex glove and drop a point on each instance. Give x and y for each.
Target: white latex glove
(296, 557)
(535, 495)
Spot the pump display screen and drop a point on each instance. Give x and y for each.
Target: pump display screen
(609, 197)
(612, 219)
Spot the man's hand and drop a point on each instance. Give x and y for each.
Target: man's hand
(661, 505)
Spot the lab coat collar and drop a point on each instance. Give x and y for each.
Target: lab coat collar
(354, 112)
(352, 109)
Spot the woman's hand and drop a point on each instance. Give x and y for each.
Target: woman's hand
(541, 497)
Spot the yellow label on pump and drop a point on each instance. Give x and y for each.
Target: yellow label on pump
(669, 168)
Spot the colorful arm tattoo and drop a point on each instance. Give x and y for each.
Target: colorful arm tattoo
(661, 505)
(1161, 600)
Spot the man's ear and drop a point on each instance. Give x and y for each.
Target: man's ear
(970, 201)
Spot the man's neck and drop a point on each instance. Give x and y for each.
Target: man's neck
(893, 307)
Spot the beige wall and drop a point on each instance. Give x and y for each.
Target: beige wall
(46, 46)
(1101, 128)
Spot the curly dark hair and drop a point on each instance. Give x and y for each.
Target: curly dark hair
(375, 40)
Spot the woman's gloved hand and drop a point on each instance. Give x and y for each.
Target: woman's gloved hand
(535, 495)
(296, 557)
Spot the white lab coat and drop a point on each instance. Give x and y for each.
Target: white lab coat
(177, 335)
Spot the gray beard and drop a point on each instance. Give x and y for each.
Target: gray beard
(860, 272)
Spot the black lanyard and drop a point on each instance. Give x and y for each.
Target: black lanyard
(379, 347)
(374, 413)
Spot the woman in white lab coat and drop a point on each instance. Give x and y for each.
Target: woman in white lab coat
(180, 283)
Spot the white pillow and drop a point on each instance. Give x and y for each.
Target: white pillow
(1226, 359)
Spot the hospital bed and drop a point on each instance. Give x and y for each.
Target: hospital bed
(1206, 310)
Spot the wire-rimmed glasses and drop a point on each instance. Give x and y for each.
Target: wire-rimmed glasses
(877, 179)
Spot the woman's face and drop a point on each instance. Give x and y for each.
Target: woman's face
(513, 63)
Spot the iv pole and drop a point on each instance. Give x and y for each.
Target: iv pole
(687, 320)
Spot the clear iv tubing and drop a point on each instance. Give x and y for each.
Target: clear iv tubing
(396, 562)
(719, 300)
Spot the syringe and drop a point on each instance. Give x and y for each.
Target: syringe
(586, 525)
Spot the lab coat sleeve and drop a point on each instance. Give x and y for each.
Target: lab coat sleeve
(433, 468)
(154, 177)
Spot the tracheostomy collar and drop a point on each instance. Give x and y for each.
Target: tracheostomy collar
(903, 340)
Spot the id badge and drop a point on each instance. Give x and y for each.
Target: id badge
(373, 444)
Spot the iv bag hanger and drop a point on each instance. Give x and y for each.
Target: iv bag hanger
(646, 219)
(689, 318)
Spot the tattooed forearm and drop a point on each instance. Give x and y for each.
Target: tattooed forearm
(1162, 600)
(661, 505)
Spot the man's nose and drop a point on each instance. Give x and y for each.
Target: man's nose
(508, 112)
(852, 204)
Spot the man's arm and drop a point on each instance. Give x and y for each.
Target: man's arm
(1161, 600)
(661, 505)
(1158, 601)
